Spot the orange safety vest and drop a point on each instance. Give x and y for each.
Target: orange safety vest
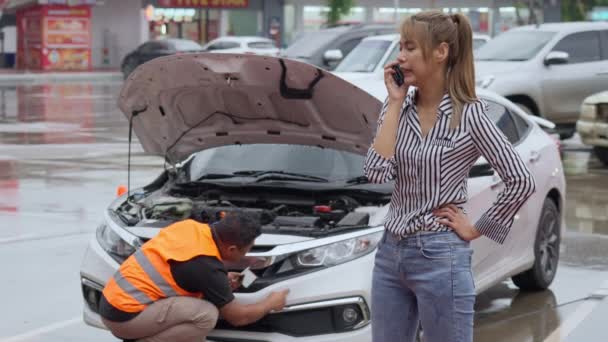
(145, 276)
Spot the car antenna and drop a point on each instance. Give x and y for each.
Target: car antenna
(134, 113)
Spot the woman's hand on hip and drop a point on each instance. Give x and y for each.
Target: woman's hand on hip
(395, 93)
(453, 217)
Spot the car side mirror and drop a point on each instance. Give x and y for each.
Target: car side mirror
(557, 57)
(332, 56)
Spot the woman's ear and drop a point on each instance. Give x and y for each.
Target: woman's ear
(442, 53)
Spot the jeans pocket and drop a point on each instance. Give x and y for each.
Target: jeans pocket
(436, 250)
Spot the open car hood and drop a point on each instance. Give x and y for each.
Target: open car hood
(186, 103)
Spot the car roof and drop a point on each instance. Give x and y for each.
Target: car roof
(394, 36)
(243, 39)
(565, 27)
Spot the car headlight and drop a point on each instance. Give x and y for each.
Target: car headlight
(485, 81)
(113, 244)
(339, 252)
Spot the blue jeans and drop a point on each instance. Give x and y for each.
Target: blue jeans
(427, 278)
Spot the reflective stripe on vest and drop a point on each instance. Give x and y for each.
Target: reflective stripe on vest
(145, 276)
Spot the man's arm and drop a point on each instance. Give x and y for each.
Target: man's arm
(240, 314)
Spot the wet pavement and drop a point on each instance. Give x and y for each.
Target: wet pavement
(63, 152)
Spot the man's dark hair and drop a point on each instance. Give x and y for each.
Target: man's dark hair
(237, 228)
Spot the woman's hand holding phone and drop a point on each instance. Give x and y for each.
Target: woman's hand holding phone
(395, 83)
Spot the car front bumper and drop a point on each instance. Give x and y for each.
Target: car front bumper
(593, 133)
(312, 295)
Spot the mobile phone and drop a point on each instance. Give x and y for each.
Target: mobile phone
(398, 75)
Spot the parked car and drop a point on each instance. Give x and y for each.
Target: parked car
(480, 40)
(373, 53)
(592, 125)
(285, 141)
(325, 48)
(154, 49)
(242, 44)
(547, 69)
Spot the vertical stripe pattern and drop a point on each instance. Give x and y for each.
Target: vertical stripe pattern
(431, 171)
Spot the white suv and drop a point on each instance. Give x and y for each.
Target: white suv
(548, 69)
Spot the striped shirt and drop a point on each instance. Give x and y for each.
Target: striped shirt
(432, 171)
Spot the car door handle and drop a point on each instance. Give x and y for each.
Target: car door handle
(534, 156)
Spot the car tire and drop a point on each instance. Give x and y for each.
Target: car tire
(546, 251)
(602, 154)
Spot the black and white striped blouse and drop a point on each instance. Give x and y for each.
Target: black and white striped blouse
(432, 171)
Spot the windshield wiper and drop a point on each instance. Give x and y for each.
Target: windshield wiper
(258, 174)
(358, 180)
(214, 176)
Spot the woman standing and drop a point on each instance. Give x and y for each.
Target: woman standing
(431, 131)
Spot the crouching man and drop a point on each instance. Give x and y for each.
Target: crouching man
(175, 286)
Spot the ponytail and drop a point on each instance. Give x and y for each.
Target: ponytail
(461, 70)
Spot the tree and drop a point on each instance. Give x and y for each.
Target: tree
(338, 8)
(576, 10)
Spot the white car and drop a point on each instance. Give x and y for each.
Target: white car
(243, 44)
(286, 142)
(371, 55)
(592, 125)
(547, 69)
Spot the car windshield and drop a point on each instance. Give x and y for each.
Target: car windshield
(262, 45)
(308, 43)
(365, 57)
(313, 161)
(514, 46)
(186, 45)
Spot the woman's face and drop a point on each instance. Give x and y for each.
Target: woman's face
(412, 61)
(417, 67)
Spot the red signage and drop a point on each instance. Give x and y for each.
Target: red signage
(205, 3)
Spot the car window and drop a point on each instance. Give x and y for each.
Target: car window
(522, 125)
(261, 45)
(604, 37)
(394, 54)
(365, 57)
(309, 43)
(348, 46)
(223, 46)
(514, 46)
(310, 160)
(478, 42)
(504, 120)
(582, 47)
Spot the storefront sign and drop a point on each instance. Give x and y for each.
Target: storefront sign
(205, 3)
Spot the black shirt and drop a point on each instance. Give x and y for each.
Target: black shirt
(203, 274)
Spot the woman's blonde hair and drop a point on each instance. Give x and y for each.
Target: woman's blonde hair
(431, 28)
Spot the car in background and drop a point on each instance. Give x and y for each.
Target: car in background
(592, 125)
(154, 49)
(480, 40)
(325, 48)
(243, 44)
(290, 150)
(547, 69)
(373, 53)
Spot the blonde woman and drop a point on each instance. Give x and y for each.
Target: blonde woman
(430, 132)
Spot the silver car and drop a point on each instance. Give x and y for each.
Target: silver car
(593, 124)
(548, 69)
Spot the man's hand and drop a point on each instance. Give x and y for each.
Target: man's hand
(453, 217)
(236, 280)
(276, 300)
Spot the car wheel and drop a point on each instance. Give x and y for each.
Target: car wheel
(546, 251)
(602, 154)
